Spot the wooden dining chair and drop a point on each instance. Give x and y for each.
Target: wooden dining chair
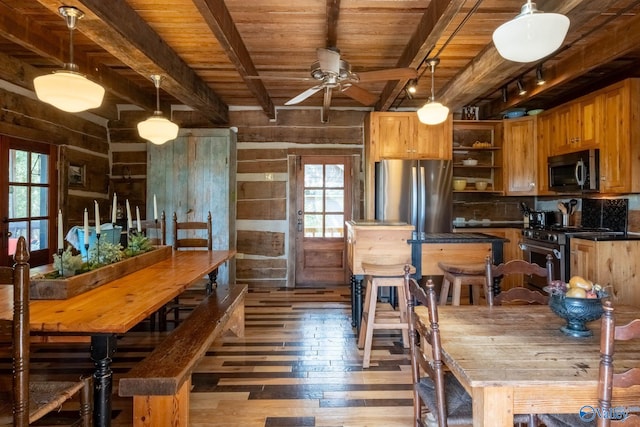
(517, 295)
(189, 235)
(155, 231)
(608, 380)
(29, 401)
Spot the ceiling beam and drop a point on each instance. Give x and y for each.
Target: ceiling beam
(32, 36)
(488, 69)
(219, 20)
(434, 21)
(118, 29)
(333, 13)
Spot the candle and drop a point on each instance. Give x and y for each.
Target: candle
(138, 219)
(129, 218)
(155, 208)
(97, 212)
(86, 227)
(114, 208)
(60, 238)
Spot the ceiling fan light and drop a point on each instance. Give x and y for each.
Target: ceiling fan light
(69, 91)
(530, 36)
(433, 113)
(157, 129)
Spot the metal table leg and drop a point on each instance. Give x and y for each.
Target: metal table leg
(102, 348)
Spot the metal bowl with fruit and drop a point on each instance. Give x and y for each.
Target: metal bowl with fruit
(578, 302)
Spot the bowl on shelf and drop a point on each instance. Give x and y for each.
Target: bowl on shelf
(481, 185)
(469, 162)
(459, 184)
(577, 312)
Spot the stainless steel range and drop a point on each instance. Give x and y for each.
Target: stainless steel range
(599, 216)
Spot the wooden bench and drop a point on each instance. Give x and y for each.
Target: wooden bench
(161, 383)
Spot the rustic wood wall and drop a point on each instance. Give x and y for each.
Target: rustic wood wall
(264, 252)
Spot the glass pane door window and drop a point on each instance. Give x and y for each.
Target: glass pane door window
(324, 191)
(29, 191)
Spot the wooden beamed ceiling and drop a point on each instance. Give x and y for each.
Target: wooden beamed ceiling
(217, 54)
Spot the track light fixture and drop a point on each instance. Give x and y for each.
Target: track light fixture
(539, 77)
(412, 86)
(505, 94)
(521, 89)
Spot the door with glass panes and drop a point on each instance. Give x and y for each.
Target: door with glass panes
(27, 199)
(323, 205)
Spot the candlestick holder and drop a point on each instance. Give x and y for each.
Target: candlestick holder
(97, 247)
(86, 250)
(60, 251)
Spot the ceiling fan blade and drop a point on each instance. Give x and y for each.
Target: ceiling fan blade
(273, 77)
(326, 104)
(304, 95)
(329, 60)
(387, 74)
(359, 94)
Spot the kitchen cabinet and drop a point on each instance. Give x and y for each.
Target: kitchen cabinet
(578, 125)
(544, 125)
(481, 141)
(400, 135)
(620, 146)
(611, 264)
(521, 153)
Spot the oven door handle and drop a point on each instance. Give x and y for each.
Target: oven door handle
(555, 252)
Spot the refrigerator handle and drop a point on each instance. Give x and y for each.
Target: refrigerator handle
(414, 199)
(422, 219)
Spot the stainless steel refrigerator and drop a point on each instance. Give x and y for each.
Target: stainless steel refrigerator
(418, 192)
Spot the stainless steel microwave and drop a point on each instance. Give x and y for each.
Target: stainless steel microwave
(575, 172)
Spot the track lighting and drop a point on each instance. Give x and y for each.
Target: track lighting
(521, 89)
(505, 94)
(539, 77)
(412, 86)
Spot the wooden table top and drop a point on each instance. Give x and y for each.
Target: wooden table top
(522, 348)
(119, 305)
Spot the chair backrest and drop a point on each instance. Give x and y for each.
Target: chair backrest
(608, 380)
(18, 277)
(519, 294)
(189, 227)
(433, 366)
(156, 231)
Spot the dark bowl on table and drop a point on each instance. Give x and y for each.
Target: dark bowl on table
(577, 312)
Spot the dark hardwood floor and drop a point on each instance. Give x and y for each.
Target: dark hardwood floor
(298, 365)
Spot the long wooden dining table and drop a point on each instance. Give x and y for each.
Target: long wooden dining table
(515, 360)
(114, 308)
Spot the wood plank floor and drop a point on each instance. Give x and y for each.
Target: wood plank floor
(298, 365)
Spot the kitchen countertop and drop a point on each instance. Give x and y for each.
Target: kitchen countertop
(487, 224)
(606, 237)
(458, 238)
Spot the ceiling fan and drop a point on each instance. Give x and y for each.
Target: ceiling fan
(332, 72)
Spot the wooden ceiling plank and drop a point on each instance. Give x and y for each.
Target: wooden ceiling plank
(489, 70)
(434, 22)
(217, 16)
(125, 35)
(333, 13)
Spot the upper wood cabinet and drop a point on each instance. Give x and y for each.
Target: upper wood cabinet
(620, 145)
(576, 125)
(545, 125)
(520, 154)
(400, 135)
(481, 141)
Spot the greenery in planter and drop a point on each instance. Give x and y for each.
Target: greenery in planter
(67, 264)
(105, 253)
(138, 244)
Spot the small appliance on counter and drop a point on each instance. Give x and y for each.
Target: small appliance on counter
(541, 219)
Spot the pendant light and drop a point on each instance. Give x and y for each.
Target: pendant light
(532, 35)
(433, 113)
(156, 128)
(67, 89)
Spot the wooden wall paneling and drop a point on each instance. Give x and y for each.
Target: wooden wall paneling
(251, 269)
(262, 209)
(262, 166)
(264, 243)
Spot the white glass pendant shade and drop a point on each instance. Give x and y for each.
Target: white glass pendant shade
(158, 129)
(531, 36)
(68, 91)
(433, 113)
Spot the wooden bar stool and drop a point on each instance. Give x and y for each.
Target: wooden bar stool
(460, 274)
(376, 277)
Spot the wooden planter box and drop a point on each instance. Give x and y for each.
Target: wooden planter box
(64, 288)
